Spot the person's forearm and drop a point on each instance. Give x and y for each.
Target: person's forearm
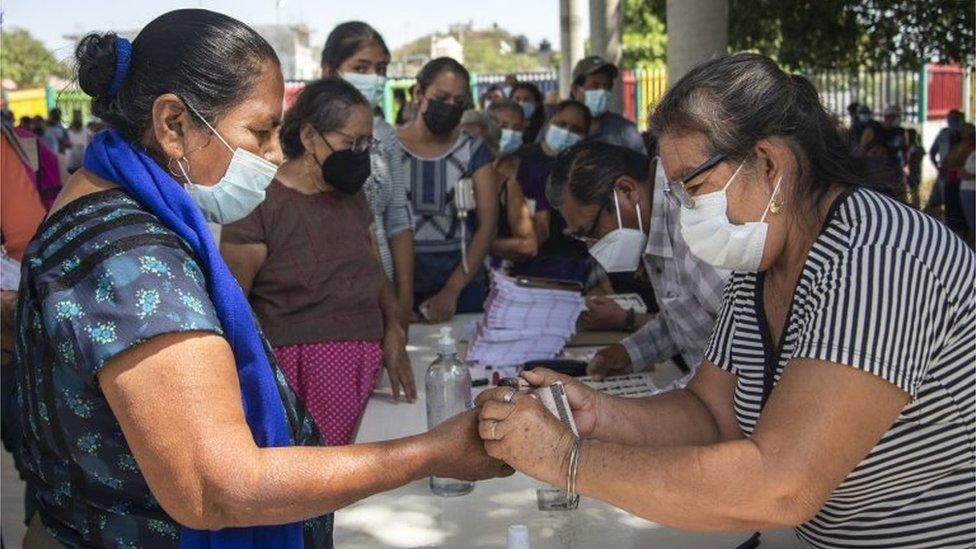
(650, 343)
(388, 306)
(401, 248)
(477, 250)
(721, 487)
(282, 485)
(673, 418)
(516, 248)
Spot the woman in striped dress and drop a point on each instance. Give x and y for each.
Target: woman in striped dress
(836, 394)
(357, 53)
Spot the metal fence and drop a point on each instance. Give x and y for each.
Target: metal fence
(926, 93)
(878, 90)
(642, 89)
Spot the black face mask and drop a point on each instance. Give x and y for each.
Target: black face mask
(441, 117)
(346, 170)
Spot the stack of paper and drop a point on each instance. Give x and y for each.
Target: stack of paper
(523, 323)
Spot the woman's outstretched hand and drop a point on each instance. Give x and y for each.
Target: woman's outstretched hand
(458, 451)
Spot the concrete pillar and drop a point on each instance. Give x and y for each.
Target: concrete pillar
(698, 30)
(570, 41)
(606, 40)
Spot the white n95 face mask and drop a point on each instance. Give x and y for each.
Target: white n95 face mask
(715, 240)
(239, 191)
(620, 250)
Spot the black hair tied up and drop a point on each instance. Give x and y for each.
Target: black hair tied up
(346, 39)
(436, 66)
(325, 105)
(206, 58)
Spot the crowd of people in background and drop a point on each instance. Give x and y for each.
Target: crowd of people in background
(895, 155)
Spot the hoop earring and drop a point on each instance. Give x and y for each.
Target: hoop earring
(185, 171)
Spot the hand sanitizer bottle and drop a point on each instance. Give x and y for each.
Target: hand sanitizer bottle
(448, 385)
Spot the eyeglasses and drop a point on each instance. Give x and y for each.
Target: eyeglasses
(359, 144)
(588, 236)
(676, 191)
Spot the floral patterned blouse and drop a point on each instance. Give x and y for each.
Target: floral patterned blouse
(103, 275)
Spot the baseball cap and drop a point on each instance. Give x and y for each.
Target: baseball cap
(591, 64)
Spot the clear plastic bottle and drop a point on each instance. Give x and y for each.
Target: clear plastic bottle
(448, 385)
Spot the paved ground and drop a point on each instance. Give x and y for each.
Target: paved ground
(11, 503)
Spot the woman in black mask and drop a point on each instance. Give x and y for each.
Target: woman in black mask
(308, 261)
(434, 159)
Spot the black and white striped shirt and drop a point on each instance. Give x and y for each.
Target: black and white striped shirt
(890, 291)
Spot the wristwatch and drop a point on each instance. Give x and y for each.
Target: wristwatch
(630, 321)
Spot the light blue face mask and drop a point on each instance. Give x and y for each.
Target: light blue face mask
(528, 108)
(370, 85)
(510, 141)
(559, 139)
(239, 191)
(597, 101)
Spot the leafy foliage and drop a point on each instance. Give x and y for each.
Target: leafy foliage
(645, 39)
(26, 61)
(838, 33)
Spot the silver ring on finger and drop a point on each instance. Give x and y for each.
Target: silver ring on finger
(509, 396)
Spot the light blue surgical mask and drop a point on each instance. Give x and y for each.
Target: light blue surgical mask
(510, 141)
(528, 108)
(597, 101)
(370, 85)
(559, 139)
(239, 191)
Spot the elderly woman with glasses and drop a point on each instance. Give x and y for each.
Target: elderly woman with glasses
(308, 261)
(836, 394)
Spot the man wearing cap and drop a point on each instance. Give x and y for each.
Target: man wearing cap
(593, 80)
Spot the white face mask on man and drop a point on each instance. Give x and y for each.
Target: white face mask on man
(620, 250)
(715, 240)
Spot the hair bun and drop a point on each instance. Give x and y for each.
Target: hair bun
(96, 58)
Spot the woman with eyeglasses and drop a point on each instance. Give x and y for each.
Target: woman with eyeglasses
(308, 262)
(434, 158)
(355, 52)
(836, 394)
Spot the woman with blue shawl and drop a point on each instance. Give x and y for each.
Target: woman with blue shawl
(154, 413)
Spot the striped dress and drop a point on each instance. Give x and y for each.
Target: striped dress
(386, 194)
(890, 291)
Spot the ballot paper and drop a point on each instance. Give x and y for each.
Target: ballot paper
(630, 385)
(630, 301)
(523, 323)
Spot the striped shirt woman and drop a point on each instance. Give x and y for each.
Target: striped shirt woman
(887, 290)
(836, 395)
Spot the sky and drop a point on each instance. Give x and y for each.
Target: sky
(399, 21)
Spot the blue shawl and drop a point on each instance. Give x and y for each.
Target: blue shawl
(113, 158)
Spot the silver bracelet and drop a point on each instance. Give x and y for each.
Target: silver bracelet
(574, 461)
